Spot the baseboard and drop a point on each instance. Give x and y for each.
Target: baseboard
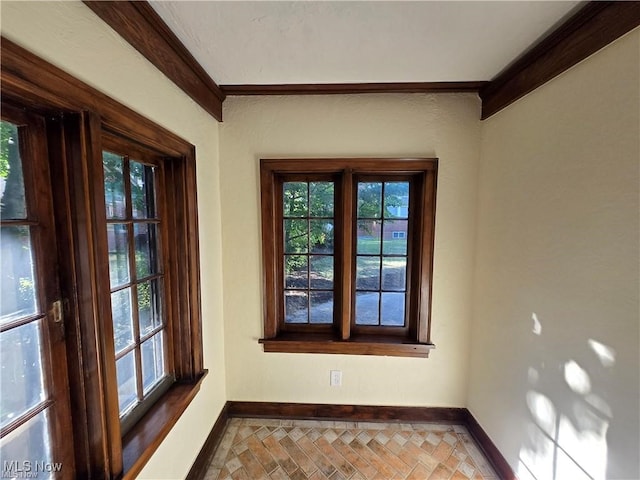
(202, 461)
(497, 460)
(354, 413)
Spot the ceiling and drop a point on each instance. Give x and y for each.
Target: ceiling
(265, 42)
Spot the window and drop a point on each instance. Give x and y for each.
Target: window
(136, 275)
(100, 306)
(347, 253)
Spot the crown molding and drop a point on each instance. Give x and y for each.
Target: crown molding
(591, 28)
(594, 26)
(139, 24)
(352, 88)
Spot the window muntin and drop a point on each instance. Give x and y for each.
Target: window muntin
(384, 212)
(68, 140)
(308, 224)
(136, 279)
(23, 384)
(34, 401)
(381, 257)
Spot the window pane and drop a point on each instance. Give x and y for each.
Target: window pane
(321, 236)
(296, 307)
(395, 237)
(368, 237)
(321, 196)
(369, 199)
(21, 380)
(393, 309)
(28, 443)
(142, 190)
(321, 272)
(295, 199)
(118, 254)
(295, 236)
(152, 361)
(12, 201)
(368, 273)
(149, 306)
(295, 271)
(122, 321)
(394, 273)
(18, 295)
(396, 200)
(126, 374)
(321, 310)
(367, 304)
(114, 193)
(146, 246)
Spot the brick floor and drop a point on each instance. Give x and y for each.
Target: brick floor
(257, 449)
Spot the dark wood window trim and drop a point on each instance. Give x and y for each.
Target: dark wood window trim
(342, 336)
(77, 117)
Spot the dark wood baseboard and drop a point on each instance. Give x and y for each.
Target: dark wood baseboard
(202, 461)
(497, 460)
(354, 413)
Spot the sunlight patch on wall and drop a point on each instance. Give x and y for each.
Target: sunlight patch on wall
(537, 326)
(566, 437)
(606, 355)
(543, 412)
(557, 449)
(577, 378)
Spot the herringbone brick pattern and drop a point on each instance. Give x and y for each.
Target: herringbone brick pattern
(255, 449)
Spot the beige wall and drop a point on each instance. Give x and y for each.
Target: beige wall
(553, 325)
(554, 357)
(445, 126)
(70, 36)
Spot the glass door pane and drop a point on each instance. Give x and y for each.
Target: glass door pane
(31, 404)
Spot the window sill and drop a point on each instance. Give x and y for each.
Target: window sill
(357, 345)
(144, 438)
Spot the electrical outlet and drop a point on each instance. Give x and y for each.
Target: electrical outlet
(335, 378)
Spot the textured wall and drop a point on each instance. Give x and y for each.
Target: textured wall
(554, 363)
(70, 36)
(445, 126)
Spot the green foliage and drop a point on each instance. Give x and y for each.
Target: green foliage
(13, 200)
(308, 209)
(8, 136)
(141, 181)
(315, 201)
(370, 198)
(26, 289)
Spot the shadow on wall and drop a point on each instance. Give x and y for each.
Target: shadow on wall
(566, 437)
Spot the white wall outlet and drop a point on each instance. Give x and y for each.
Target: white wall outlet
(335, 378)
